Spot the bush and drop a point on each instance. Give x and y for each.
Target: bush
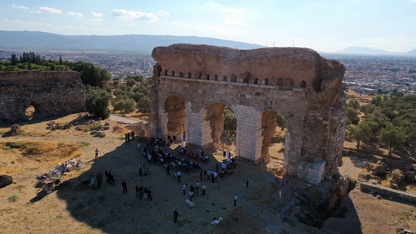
(15, 145)
(13, 198)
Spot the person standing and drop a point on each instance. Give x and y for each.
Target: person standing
(168, 169)
(204, 187)
(197, 188)
(124, 185)
(179, 174)
(184, 189)
(96, 153)
(149, 194)
(235, 199)
(175, 215)
(247, 179)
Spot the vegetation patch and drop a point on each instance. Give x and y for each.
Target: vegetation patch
(14, 145)
(13, 198)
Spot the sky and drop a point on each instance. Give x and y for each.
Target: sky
(323, 25)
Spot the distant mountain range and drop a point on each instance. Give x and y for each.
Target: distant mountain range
(30, 41)
(371, 51)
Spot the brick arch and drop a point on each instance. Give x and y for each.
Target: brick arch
(174, 116)
(315, 116)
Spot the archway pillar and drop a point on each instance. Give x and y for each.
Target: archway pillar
(194, 129)
(248, 140)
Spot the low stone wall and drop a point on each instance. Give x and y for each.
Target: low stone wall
(384, 191)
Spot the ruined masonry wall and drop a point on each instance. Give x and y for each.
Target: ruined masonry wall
(50, 93)
(295, 82)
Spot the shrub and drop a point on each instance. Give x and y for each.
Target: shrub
(15, 145)
(13, 198)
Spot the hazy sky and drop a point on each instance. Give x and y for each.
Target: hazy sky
(323, 25)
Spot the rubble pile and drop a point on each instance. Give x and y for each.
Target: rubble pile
(48, 180)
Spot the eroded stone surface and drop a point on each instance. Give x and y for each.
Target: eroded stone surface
(199, 80)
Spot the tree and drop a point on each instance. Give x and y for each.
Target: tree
(144, 105)
(14, 60)
(281, 121)
(392, 136)
(352, 116)
(124, 104)
(359, 133)
(130, 82)
(230, 121)
(97, 102)
(376, 100)
(60, 60)
(354, 104)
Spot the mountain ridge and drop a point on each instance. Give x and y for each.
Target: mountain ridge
(129, 42)
(371, 51)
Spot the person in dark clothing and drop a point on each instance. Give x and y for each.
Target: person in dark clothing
(149, 194)
(124, 185)
(175, 216)
(168, 169)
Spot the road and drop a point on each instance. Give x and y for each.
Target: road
(123, 119)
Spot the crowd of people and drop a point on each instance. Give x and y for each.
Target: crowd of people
(154, 153)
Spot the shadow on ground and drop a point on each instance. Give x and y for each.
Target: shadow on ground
(264, 205)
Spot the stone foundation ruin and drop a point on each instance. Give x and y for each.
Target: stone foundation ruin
(194, 83)
(49, 93)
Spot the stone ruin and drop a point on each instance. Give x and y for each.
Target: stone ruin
(51, 93)
(194, 83)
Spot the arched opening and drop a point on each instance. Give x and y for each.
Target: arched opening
(266, 81)
(166, 72)
(173, 73)
(189, 75)
(256, 81)
(32, 111)
(200, 76)
(224, 78)
(246, 77)
(215, 77)
(288, 83)
(302, 84)
(181, 74)
(220, 125)
(207, 76)
(273, 133)
(233, 78)
(175, 118)
(280, 82)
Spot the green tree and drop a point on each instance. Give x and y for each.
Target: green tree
(60, 61)
(352, 116)
(97, 102)
(359, 133)
(392, 136)
(14, 60)
(281, 121)
(376, 100)
(130, 82)
(354, 104)
(230, 121)
(124, 104)
(144, 105)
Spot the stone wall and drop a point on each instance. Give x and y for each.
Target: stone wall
(50, 93)
(387, 192)
(296, 82)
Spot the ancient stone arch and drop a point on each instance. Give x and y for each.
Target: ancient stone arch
(50, 93)
(257, 84)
